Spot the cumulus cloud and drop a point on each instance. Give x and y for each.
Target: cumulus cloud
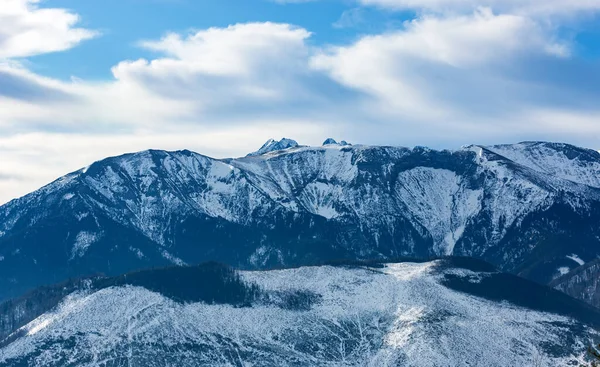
(27, 30)
(442, 79)
(236, 50)
(257, 61)
(219, 91)
(457, 64)
(235, 73)
(530, 7)
(15, 83)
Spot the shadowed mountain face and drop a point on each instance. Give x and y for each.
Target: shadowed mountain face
(530, 208)
(453, 312)
(583, 282)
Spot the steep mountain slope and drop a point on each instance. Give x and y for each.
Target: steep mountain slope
(397, 314)
(304, 205)
(561, 160)
(582, 283)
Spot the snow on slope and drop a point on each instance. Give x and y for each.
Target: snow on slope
(361, 201)
(399, 315)
(273, 146)
(559, 160)
(514, 192)
(328, 181)
(143, 189)
(576, 258)
(308, 178)
(82, 242)
(426, 190)
(583, 283)
(153, 185)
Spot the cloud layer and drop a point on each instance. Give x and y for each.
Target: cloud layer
(457, 73)
(522, 7)
(459, 65)
(26, 30)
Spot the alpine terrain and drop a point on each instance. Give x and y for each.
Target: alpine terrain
(532, 209)
(453, 312)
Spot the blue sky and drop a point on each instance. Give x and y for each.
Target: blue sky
(82, 80)
(124, 23)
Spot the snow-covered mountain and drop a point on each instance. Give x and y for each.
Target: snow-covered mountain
(273, 145)
(442, 313)
(530, 208)
(583, 282)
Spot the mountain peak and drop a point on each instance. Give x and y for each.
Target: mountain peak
(313, 200)
(331, 141)
(273, 145)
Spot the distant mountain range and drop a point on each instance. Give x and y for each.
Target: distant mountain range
(531, 209)
(447, 313)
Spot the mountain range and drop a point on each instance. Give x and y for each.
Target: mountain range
(447, 313)
(531, 209)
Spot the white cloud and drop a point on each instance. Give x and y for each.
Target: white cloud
(463, 41)
(237, 50)
(350, 18)
(200, 78)
(27, 30)
(255, 61)
(531, 7)
(482, 77)
(435, 60)
(441, 80)
(220, 91)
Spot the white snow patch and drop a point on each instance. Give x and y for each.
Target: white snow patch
(83, 241)
(576, 258)
(551, 160)
(72, 303)
(40, 325)
(81, 216)
(175, 260)
(68, 196)
(140, 255)
(563, 270)
(260, 256)
(220, 170)
(319, 198)
(441, 202)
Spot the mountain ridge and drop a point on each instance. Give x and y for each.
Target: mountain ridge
(303, 203)
(391, 314)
